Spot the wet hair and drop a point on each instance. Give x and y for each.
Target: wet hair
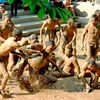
(7, 15)
(33, 36)
(2, 5)
(16, 32)
(91, 61)
(70, 48)
(70, 20)
(97, 12)
(94, 16)
(50, 42)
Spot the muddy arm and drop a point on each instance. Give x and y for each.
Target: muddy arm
(52, 62)
(28, 51)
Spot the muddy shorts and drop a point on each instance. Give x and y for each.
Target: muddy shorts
(94, 45)
(48, 32)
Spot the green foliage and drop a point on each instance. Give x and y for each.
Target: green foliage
(41, 13)
(46, 7)
(10, 1)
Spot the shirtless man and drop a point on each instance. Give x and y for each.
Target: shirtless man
(8, 46)
(90, 69)
(70, 33)
(23, 43)
(70, 64)
(5, 29)
(67, 5)
(40, 61)
(45, 51)
(50, 25)
(6, 26)
(93, 30)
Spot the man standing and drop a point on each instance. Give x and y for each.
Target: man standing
(8, 46)
(93, 30)
(70, 33)
(50, 26)
(6, 26)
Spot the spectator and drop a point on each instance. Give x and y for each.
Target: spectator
(67, 5)
(7, 25)
(57, 3)
(88, 0)
(5, 14)
(14, 6)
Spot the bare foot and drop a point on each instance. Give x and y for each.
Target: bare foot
(88, 90)
(6, 95)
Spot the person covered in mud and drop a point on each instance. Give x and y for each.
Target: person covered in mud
(43, 58)
(69, 33)
(90, 69)
(38, 61)
(6, 14)
(92, 29)
(49, 26)
(23, 43)
(8, 46)
(18, 62)
(69, 63)
(6, 26)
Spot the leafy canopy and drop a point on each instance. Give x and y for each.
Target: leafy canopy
(46, 7)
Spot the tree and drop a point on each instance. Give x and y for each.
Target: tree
(46, 7)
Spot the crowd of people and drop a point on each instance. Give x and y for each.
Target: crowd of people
(38, 54)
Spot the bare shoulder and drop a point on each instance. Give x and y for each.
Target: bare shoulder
(10, 38)
(74, 58)
(75, 27)
(98, 26)
(64, 27)
(24, 41)
(87, 25)
(46, 21)
(9, 41)
(56, 20)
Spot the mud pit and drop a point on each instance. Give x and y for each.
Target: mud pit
(69, 88)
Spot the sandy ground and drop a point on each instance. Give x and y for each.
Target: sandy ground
(69, 88)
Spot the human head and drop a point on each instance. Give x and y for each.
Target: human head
(33, 38)
(6, 20)
(69, 51)
(97, 12)
(94, 18)
(2, 8)
(70, 22)
(17, 34)
(50, 44)
(91, 63)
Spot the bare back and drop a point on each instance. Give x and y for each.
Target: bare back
(38, 61)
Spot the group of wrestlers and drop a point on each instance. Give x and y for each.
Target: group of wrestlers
(37, 53)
